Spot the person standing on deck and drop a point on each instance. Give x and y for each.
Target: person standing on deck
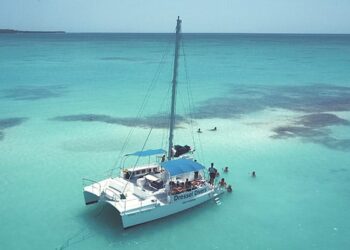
(163, 158)
(212, 173)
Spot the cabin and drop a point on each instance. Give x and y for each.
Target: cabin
(140, 171)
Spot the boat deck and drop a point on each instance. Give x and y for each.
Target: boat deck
(136, 198)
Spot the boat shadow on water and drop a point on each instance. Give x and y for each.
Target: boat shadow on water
(108, 219)
(104, 220)
(102, 217)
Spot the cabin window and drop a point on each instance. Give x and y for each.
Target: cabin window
(137, 172)
(149, 170)
(155, 169)
(143, 171)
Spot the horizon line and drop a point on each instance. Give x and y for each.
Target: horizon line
(243, 33)
(124, 32)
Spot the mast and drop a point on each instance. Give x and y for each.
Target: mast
(174, 82)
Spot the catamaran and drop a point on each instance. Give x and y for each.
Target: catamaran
(143, 193)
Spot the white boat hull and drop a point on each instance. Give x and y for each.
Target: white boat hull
(90, 198)
(160, 211)
(138, 212)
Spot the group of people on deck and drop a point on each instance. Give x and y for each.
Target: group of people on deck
(179, 187)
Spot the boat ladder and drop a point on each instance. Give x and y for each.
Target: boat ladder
(216, 198)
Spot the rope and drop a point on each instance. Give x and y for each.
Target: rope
(166, 107)
(191, 106)
(189, 93)
(143, 105)
(137, 160)
(81, 235)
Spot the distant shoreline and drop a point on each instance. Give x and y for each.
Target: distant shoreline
(10, 31)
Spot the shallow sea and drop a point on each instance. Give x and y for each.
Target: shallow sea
(281, 104)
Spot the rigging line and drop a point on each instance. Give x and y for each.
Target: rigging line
(167, 107)
(172, 120)
(138, 158)
(201, 148)
(144, 102)
(156, 76)
(163, 104)
(155, 79)
(189, 92)
(165, 140)
(151, 87)
(164, 134)
(190, 96)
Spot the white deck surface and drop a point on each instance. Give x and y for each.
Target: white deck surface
(136, 198)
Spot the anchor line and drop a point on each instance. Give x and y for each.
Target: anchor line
(80, 236)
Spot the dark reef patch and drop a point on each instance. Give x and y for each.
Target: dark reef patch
(283, 132)
(311, 128)
(120, 58)
(321, 120)
(11, 122)
(226, 107)
(32, 93)
(333, 143)
(243, 99)
(154, 121)
(314, 100)
(338, 170)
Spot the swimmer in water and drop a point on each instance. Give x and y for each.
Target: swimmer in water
(222, 183)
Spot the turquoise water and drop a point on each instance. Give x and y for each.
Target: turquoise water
(281, 104)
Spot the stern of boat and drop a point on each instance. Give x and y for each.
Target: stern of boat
(92, 191)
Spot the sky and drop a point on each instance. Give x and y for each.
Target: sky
(202, 16)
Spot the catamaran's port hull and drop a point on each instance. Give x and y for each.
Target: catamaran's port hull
(90, 198)
(161, 211)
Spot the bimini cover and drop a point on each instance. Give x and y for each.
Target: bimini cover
(148, 152)
(181, 166)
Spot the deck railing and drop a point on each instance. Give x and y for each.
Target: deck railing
(94, 184)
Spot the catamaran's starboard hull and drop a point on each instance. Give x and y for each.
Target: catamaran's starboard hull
(161, 211)
(147, 210)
